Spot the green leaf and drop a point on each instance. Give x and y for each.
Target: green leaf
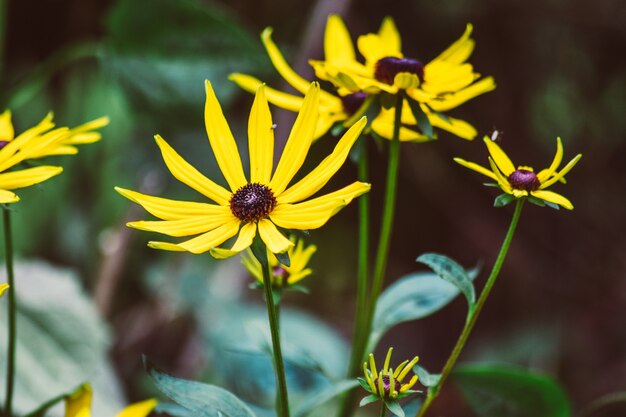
(368, 400)
(394, 407)
(503, 199)
(314, 400)
(364, 384)
(422, 119)
(412, 297)
(283, 258)
(201, 399)
(496, 391)
(536, 201)
(425, 378)
(452, 272)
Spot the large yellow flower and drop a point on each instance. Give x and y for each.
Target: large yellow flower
(260, 204)
(440, 85)
(78, 404)
(522, 182)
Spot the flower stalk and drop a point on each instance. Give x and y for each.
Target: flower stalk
(282, 400)
(474, 310)
(12, 328)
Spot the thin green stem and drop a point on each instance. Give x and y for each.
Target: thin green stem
(382, 409)
(475, 311)
(282, 399)
(12, 328)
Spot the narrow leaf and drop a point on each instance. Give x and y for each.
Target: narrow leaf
(395, 408)
(368, 400)
(421, 118)
(425, 378)
(450, 271)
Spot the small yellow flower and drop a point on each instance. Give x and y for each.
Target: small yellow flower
(438, 86)
(262, 203)
(387, 383)
(78, 404)
(37, 142)
(523, 182)
(283, 276)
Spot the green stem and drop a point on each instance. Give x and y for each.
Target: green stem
(12, 328)
(475, 311)
(382, 409)
(282, 400)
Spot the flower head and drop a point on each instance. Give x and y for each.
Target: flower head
(283, 276)
(387, 383)
(523, 182)
(78, 404)
(442, 84)
(264, 202)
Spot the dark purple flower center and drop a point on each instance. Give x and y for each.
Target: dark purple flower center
(352, 102)
(387, 68)
(387, 385)
(252, 202)
(3, 143)
(523, 179)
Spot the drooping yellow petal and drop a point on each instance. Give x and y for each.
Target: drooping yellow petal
(567, 168)
(78, 403)
(299, 141)
(338, 47)
(165, 246)
(460, 50)
(183, 227)
(187, 174)
(457, 127)
(314, 213)
(275, 241)
(222, 141)
(243, 242)
(7, 197)
(140, 409)
(383, 125)
(558, 157)
(503, 182)
(167, 209)
(260, 139)
(475, 167)
(298, 276)
(500, 158)
(278, 98)
(27, 177)
(553, 197)
(6, 126)
(281, 65)
(319, 176)
(456, 98)
(211, 239)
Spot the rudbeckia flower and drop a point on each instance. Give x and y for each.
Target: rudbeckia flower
(442, 84)
(387, 384)
(523, 182)
(283, 276)
(78, 404)
(264, 202)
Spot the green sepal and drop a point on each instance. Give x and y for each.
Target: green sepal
(422, 119)
(364, 384)
(442, 116)
(387, 100)
(394, 407)
(536, 201)
(283, 258)
(368, 400)
(299, 288)
(503, 199)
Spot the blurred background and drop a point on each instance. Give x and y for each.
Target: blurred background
(558, 308)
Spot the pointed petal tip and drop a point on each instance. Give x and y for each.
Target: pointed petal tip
(267, 33)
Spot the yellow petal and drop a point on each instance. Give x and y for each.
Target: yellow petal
(299, 141)
(278, 98)
(6, 126)
(222, 141)
(211, 239)
(558, 157)
(338, 45)
(10, 156)
(79, 402)
(299, 276)
(553, 197)
(27, 177)
(475, 167)
(389, 34)
(165, 246)
(316, 212)
(243, 242)
(7, 197)
(457, 127)
(140, 409)
(260, 139)
(3, 288)
(281, 65)
(318, 177)
(500, 158)
(455, 99)
(373, 48)
(252, 265)
(187, 174)
(503, 182)
(276, 242)
(460, 50)
(567, 168)
(183, 227)
(383, 125)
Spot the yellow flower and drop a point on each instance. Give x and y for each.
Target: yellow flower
(3, 288)
(78, 404)
(387, 383)
(36, 142)
(283, 276)
(440, 85)
(262, 203)
(523, 182)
